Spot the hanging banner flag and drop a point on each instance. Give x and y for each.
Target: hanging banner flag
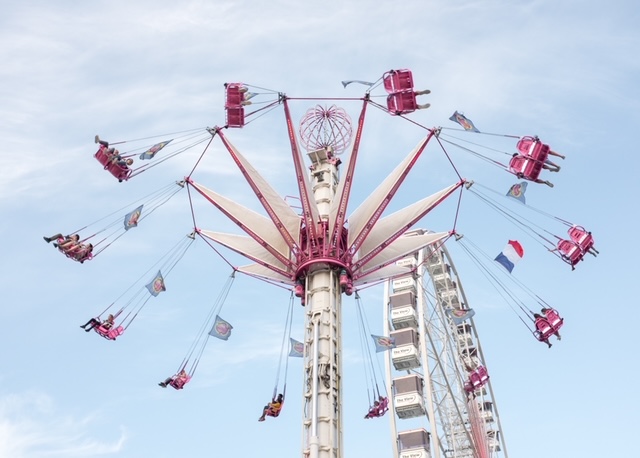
(248, 95)
(383, 343)
(151, 152)
(221, 329)
(131, 219)
(297, 348)
(157, 285)
(517, 191)
(366, 83)
(458, 316)
(511, 255)
(461, 119)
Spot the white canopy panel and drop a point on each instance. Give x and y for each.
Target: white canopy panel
(266, 273)
(262, 226)
(400, 248)
(363, 214)
(246, 246)
(289, 218)
(398, 221)
(383, 274)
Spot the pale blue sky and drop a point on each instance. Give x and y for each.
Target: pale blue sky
(566, 71)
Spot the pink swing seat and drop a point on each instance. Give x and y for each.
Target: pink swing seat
(570, 252)
(581, 237)
(525, 167)
(121, 172)
(235, 117)
(384, 406)
(554, 319)
(398, 80)
(402, 102)
(544, 330)
(179, 382)
(75, 253)
(533, 148)
(109, 333)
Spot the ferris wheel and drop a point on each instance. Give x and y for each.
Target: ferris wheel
(443, 401)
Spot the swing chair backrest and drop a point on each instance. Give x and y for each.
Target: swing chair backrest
(533, 148)
(543, 329)
(384, 406)
(235, 117)
(570, 251)
(398, 80)
(234, 96)
(402, 102)
(579, 235)
(529, 168)
(554, 319)
(102, 155)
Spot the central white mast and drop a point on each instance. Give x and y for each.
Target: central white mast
(322, 425)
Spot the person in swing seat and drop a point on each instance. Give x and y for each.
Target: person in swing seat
(273, 408)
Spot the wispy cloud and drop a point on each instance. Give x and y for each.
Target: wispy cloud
(31, 426)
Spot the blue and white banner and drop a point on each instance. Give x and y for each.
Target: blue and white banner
(297, 348)
(157, 285)
(383, 343)
(221, 329)
(131, 219)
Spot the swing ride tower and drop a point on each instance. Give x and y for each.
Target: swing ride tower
(316, 253)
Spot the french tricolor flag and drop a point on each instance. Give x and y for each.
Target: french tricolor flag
(511, 255)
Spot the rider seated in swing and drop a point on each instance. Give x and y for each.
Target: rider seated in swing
(543, 328)
(273, 408)
(554, 320)
(374, 410)
(378, 408)
(63, 242)
(114, 155)
(93, 322)
(82, 252)
(177, 381)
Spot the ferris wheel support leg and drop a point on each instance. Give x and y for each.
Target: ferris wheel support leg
(423, 349)
(387, 363)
